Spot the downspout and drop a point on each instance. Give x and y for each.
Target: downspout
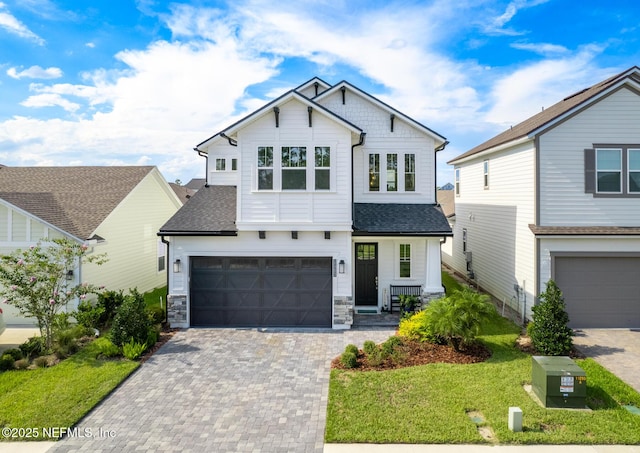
(435, 168)
(166, 267)
(206, 156)
(353, 207)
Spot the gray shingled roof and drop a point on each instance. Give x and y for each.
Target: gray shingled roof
(548, 115)
(75, 199)
(399, 219)
(211, 211)
(583, 230)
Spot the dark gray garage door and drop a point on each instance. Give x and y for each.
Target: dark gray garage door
(600, 291)
(261, 292)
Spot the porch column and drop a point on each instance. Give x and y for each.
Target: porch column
(433, 277)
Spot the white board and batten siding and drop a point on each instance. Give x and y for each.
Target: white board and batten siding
(131, 242)
(405, 139)
(301, 210)
(563, 202)
(497, 221)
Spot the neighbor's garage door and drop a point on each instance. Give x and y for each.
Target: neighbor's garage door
(261, 292)
(600, 291)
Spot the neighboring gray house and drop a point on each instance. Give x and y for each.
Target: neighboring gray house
(315, 205)
(558, 197)
(114, 210)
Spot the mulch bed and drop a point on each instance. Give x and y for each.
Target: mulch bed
(413, 353)
(165, 336)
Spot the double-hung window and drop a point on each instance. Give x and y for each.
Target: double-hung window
(485, 172)
(374, 172)
(409, 172)
(405, 260)
(392, 172)
(294, 168)
(265, 168)
(457, 180)
(221, 164)
(323, 167)
(634, 170)
(609, 170)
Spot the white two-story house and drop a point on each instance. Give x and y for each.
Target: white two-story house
(558, 197)
(314, 205)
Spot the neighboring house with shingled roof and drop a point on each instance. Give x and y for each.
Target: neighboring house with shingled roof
(315, 205)
(115, 210)
(558, 197)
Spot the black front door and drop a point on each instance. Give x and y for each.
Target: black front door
(367, 274)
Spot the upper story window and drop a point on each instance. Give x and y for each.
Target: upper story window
(612, 170)
(323, 167)
(265, 168)
(221, 164)
(398, 175)
(485, 172)
(374, 172)
(456, 173)
(294, 171)
(405, 260)
(409, 172)
(392, 172)
(234, 164)
(634, 171)
(609, 170)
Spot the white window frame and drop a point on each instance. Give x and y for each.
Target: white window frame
(629, 170)
(265, 168)
(409, 169)
(323, 167)
(607, 170)
(161, 262)
(485, 173)
(302, 166)
(404, 259)
(221, 164)
(456, 179)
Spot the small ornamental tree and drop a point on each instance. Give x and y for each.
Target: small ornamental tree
(550, 334)
(35, 280)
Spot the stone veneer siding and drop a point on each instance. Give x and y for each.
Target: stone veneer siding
(176, 309)
(342, 312)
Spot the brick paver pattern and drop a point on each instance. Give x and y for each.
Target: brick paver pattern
(223, 390)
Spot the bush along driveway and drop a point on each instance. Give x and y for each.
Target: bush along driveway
(448, 403)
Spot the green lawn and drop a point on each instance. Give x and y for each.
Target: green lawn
(152, 298)
(61, 395)
(429, 404)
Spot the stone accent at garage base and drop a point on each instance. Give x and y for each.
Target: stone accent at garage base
(177, 310)
(342, 312)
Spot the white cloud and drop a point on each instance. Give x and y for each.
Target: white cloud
(497, 24)
(90, 45)
(542, 48)
(50, 100)
(35, 72)
(524, 92)
(11, 24)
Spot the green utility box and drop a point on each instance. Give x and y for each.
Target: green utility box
(558, 382)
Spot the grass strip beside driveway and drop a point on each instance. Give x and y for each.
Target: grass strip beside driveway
(61, 395)
(429, 403)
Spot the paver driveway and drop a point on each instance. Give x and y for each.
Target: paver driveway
(223, 390)
(618, 350)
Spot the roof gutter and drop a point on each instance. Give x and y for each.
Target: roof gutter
(491, 150)
(198, 233)
(435, 168)
(166, 268)
(206, 165)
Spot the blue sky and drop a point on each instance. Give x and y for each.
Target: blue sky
(115, 82)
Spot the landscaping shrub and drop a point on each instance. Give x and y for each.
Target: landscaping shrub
(15, 353)
(418, 327)
(41, 362)
(370, 347)
(7, 362)
(132, 320)
(153, 335)
(110, 301)
(133, 350)
(106, 348)
(352, 348)
(157, 314)
(408, 303)
(389, 346)
(33, 347)
(349, 359)
(457, 319)
(550, 334)
(21, 364)
(60, 322)
(90, 315)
